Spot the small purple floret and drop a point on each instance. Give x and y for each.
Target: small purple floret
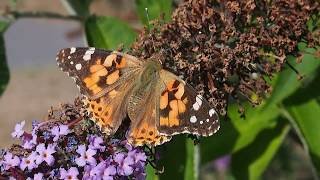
(18, 130)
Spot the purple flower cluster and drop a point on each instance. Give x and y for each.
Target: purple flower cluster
(59, 153)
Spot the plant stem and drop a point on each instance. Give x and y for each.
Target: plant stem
(284, 112)
(51, 15)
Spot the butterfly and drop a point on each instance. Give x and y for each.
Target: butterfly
(158, 103)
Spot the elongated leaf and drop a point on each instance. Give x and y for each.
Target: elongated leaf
(4, 70)
(192, 161)
(306, 118)
(155, 9)
(287, 82)
(251, 161)
(108, 33)
(77, 7)
(237, 133)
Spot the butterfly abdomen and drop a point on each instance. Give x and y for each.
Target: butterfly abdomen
(136, 102)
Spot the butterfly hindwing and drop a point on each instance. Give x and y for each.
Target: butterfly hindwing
(109, 110)
(96, 71)
(182, 110)
(143, 116)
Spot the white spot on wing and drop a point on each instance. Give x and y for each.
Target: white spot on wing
(196, 106)
(72, 50)
(88, 53)
(199, 99)
(78, 66)
(201, 122)
(211, 112)
(71, 62)
(87, 57)
(215, 130)
(207, 120)
(69, 57)
(193, 119)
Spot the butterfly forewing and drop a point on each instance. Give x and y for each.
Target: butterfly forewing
(182, 110)
(96, 71)
(105, 78)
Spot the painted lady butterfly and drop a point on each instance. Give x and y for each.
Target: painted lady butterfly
(158, 103)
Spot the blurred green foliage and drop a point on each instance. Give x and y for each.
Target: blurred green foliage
(4, 71)
(252, 141)
(251, 161)
(78, 7)
(153, 10)
(305, 119)
(99, 31)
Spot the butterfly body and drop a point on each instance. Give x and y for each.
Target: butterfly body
(158, 103)
(151, 72)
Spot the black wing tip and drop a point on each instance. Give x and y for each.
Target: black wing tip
(62, 54)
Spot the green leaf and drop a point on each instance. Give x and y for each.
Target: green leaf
(4, 70)
(287, 82)
(108, 33)
(307, 92)
(251, 161)
(151, 173)
(306, 122)
(237, 133)
(78, 7)
(155, 9)
(192, 160)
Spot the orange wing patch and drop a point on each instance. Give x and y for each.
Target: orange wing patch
(97, 71)
(108, 111)
(113, 77)
(143, 128)
(107, 71)
(109, 60)
(147, 134)
(172, 103)
(100, 113)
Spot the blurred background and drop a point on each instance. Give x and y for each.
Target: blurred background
(36, 83)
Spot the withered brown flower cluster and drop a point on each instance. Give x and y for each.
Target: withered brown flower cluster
(226, 48)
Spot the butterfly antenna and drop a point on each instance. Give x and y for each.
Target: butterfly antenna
(149, 28)
(148, 19)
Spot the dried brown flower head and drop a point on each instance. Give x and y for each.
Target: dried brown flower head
(225, 48)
